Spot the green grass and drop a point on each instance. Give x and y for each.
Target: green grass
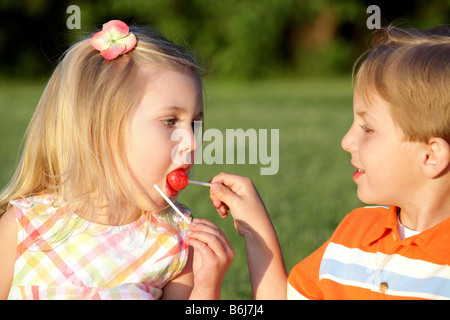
(313, 188)
(18, 99)
(306, 199)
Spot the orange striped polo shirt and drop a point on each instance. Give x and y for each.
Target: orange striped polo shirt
(366, 259)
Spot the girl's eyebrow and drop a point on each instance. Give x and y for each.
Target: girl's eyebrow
(175, 109)
(199, 115)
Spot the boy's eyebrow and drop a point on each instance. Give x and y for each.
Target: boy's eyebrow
(365, 115)
(361, 113)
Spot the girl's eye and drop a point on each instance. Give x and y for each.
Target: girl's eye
(169, 122)
(193, 124)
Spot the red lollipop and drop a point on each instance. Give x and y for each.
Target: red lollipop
(178, 179)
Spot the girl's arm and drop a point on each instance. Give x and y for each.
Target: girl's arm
(237, 194)
(207, 264)
(180, 288)
(8, 247)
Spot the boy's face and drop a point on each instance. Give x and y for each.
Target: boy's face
(387, 165)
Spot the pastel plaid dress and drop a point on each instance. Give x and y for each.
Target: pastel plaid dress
(93, 261)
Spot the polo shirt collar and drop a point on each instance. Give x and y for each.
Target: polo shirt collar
(382, 227)
(435, 241)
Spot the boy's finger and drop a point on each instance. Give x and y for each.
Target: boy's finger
(222, 192)
(221, 207)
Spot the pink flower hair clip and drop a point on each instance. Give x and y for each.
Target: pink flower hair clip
(114, 39)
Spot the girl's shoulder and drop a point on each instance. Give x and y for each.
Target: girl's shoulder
(35, 207)
(43, 211)
(170, 221)
(36, 202)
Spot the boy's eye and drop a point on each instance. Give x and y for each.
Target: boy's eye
(365, 128)
(169, 122)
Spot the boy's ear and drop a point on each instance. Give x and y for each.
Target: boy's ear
(437, 160)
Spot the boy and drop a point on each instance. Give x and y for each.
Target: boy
(400, 146)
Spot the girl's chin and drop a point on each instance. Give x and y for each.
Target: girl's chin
(151, 205)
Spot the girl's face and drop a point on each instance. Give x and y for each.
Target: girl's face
(172, 100)
(387, 165)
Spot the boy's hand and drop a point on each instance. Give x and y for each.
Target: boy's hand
(238, 195)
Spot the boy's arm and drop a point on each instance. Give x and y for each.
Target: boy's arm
(237, 194)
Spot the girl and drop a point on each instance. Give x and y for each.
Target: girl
(80, 217)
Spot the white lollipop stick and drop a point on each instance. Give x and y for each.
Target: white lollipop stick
(172, 204)
(206, 184)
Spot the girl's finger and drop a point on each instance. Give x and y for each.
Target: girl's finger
(205, 225)
(201, 247)
(210, 234)
(206, 228)
(217, 243)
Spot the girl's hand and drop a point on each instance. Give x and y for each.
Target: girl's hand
(213, 255)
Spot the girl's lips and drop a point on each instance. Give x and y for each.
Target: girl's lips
(170, 192)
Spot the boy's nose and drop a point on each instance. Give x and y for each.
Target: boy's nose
(347, 142)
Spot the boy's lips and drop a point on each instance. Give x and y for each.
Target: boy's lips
(358, 173)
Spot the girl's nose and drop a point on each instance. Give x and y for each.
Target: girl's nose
(185, 149)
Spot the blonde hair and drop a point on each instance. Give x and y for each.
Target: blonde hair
(410, 69)
(74, 145)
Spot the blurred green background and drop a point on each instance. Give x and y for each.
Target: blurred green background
(272, 64)
(239, 38)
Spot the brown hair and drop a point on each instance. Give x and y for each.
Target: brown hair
(410, 69)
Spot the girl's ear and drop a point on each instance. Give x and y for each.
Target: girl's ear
(437, 160)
